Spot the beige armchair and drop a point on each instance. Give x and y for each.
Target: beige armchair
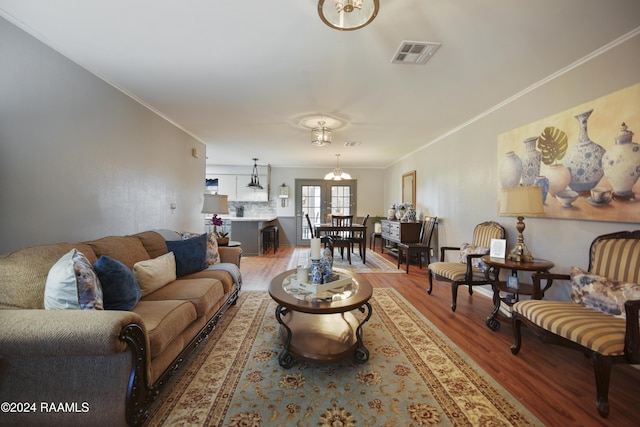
(467, 271)
(593, 321)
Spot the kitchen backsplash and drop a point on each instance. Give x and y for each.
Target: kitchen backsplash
(252, 209)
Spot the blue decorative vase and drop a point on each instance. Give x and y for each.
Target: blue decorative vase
(315, 272)
(584, 160)
(326, 264)
(530, 162)
(510, 170)
(542, 181)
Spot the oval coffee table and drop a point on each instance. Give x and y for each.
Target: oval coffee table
(321, 328)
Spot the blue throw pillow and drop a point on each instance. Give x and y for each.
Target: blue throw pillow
(120, 290)
(191, 254)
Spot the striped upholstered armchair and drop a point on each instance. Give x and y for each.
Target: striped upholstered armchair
(601, 320)
(468, 268)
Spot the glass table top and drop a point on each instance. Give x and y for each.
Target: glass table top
(338, 293)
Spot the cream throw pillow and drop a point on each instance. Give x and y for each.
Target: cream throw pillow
(152, 274)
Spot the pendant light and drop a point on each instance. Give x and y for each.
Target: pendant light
(337, 174)
(347, 15)
(255, 179)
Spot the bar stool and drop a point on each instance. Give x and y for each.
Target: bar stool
(270, 235)
(372, 241)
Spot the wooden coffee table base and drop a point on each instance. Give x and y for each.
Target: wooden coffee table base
(321, 338)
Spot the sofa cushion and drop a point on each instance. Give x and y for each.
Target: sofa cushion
(72, 284)
(204, 294)
(126, 249)
(153, 243)
(23, 273)
(154, 273)
(190, 254)
(469, 249)
(164, 321)
(213, 255)
(120, 289)
(600, 293)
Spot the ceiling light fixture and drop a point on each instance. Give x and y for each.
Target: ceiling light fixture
(320, 135)
(255, 179)
(337, 174)
(347, 15)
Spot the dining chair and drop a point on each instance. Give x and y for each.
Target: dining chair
(342, 239)
(360, 238)
(421, 247)
(326, 240)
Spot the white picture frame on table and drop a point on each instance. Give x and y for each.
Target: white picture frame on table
(498, 248)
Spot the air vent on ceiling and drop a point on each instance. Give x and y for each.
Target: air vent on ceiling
(415, 52)
(352, 143)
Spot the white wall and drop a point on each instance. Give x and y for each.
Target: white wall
(79, 159)
(456, 177)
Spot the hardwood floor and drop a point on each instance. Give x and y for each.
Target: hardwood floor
(556, 384)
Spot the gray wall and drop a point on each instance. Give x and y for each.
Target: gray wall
(457, 179)
(79, 159)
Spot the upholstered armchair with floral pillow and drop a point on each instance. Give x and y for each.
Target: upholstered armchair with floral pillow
(601, 320)
(469, 269)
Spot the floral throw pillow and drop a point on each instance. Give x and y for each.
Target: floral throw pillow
(468, 249)
(73, 284)
(600, 293)
(213, 257)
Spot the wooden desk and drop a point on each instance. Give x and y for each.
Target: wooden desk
(399, 232)
(493, 273)
(329, 229)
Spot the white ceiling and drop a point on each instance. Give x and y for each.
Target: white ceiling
(240, 75)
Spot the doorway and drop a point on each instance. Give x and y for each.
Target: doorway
(321, 199)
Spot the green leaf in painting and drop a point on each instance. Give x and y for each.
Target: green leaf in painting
(553, 144)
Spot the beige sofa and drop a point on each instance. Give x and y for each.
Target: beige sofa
(100, 367)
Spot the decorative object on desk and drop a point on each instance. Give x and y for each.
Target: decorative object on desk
(621, 164)
(513, 282)
(315, 248)
(530, 161)
(255, 179)
(315, 272)
(215, 204)
(521, 201)
(498, 248)
(347, 15)
(410, 214)
(326, 263)
(391, 213)
(584, 160)
(337, 174)
(302, 273)
(223, 239)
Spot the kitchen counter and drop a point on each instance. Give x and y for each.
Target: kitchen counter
(248, 231)
(249, 218)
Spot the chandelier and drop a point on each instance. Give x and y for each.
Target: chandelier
(337, 174)
(320, 135)
(347, 15)
(255, 179)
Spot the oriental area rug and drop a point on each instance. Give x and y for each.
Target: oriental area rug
(415, 376)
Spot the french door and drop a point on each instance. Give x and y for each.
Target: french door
(321, 199)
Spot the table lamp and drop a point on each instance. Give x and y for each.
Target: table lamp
(521, 201)
(215, 204)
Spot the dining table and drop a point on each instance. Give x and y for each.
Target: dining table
(356, 229)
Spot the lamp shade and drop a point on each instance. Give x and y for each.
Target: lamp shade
(521, 201)
(215, 204)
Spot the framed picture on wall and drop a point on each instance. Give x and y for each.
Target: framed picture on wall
(409, 188)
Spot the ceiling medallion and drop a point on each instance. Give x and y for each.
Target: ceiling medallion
(347, 15)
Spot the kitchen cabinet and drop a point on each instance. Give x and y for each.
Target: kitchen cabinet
(235, 187)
